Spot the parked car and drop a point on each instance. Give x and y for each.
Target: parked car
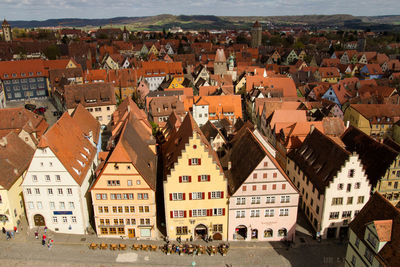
(30, 107)
(40, 110)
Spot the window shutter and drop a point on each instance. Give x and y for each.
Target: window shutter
(190, 196)
(170, 196)
(183, 196)
(190, 161)
(223, 211)
(208, 177)
(184, 214)
(199, 161)
(222, 194)
(190, 179)
(180, 179)
(199, 178)
(171, 214)
(284, 186)
(210, 211)
(209, 195)
(203, 195)
(190, 213)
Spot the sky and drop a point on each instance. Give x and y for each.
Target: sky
(48, 9)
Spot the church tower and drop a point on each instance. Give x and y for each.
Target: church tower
(6, 31)
(256, 35)
(220, 67)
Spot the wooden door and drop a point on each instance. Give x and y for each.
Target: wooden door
(131, 233)
(39, 220)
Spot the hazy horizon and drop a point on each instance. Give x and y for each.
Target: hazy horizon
(59, 9)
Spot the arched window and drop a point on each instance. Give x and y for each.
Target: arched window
(268, 233)
(282, 232)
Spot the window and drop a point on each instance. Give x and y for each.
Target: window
(348, 188)
(120, 210)
(62, 205)
(282, 232)
(254, 187)
(104, 231)
(197, 195)
(113, 182)
(255, 200)
(217, 227)
(69, 191)
(138, 182)
(351, 173)
(60, 191)
(129, 182)
(240, 201)
(181, 230)
(268, 233)
(100, 209)
(204, 178)
(47, 178)
(317, 209)
(254, 213)
(50, 191)
(143, 196)
(357, 242)
(285, 199)
(55, 219)
(334, 215)
(37, 191)
(199, 213)
(270, 199)
(98, 196)
(28, 191)
(349, 200)
(113, 231)
(58, 178)
(346, 214)
(275, 175)
(337, 201)
(240, 214)
(34, 178)
(283, 212)
(30, 205)
(39, 205)
(73, 218)
(368, 255)
(217, 194)
(360, 200)
(105, 209)
(52, 205)
(218, 212)
(244, 188)
(269, 213)
(254, 175)
(195, 161)
(71, 205)
(185, 179)
(357, 186)
(274, 187)
(340, 186)
(177, 213)
(177, 196)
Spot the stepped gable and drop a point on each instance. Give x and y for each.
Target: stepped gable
(375, 157)
(173, 148)
(320, 158)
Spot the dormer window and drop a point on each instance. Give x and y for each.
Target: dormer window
(5, 75)
(87, 150)
(30, 73)
(80, 163)
(83, 155)
(39, 73)
(77, 172)
(14, 75)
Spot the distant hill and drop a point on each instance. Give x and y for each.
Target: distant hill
(196, 22)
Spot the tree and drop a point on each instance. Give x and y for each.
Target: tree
(52, 52)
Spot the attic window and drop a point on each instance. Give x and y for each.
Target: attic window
(23, 74)
(80, 163)
(83, 155)
(39, 73)
(30, 73)
(90, 100)
(14, 75)
(5, 75)
(105, 99)
(86, 149)
(77, 172)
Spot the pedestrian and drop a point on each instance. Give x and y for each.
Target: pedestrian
(12, 233)
(15, 229)
(45, 229)
(36, 234)
(8, 235)
(3, 230)
(43, 242)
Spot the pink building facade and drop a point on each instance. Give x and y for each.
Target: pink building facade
(263, 202)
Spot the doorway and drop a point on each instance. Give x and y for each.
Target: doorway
(39, 220)
(217, 236)
(201, 231)
(254, 234)
(241, 232)
(131, 233)
(332, 232)
(343, 232)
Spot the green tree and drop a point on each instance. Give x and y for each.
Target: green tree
(52, 52)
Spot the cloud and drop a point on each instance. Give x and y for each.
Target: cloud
(46, 9)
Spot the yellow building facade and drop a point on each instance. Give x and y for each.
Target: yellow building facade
(195, 189)
(123, 196)
(11, 205)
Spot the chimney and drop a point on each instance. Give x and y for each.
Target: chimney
(312, 127)
(229, 165)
